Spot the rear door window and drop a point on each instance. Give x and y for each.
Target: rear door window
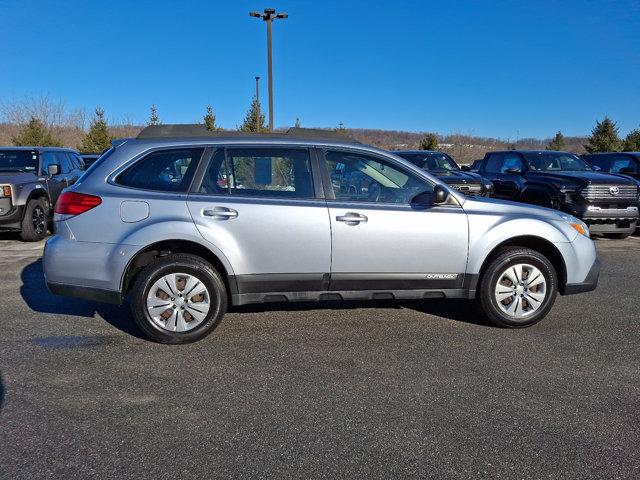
(260, 172)
(164, 170)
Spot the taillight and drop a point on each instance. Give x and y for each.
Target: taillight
(73, 203)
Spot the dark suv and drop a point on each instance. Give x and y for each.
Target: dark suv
(444, 167)
(623, 163)
(564, 181)
(31, 179)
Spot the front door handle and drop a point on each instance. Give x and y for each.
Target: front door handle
(352, 218)
(221, 213)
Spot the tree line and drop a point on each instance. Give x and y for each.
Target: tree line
(39, 123)
(605, 137)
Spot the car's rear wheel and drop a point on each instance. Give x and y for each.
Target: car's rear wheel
(35, 221)
(178, 299)
(518, 288)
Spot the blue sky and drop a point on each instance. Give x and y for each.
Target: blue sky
(502, 69)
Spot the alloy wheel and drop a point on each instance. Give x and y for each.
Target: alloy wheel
(38, 220)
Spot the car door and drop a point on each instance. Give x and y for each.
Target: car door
(380, 240)
(491, 169)
(258, 206)
(511, 176)
(55, 183)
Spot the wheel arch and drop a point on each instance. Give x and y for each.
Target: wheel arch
(540, 245)
(163, 248)
(33, 193)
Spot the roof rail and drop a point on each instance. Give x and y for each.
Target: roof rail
(199, 130)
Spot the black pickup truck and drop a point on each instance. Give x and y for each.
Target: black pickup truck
(563, 181)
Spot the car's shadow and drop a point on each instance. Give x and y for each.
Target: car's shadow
(459, 310)
(36, 295)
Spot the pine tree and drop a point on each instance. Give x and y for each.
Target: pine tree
(604, 137)
(632, 141)
(35, 133)
(154, 119)
(209, 120)
(249, 124)
(98, 137)
(557, 143)
(429, 142)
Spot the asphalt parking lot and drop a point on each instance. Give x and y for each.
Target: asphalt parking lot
(410, 389)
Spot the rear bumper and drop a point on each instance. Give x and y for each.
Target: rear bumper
(86, 293)
(88, 270)
(590, 282)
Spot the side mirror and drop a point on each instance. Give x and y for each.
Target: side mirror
(440, 194)
(596, 168)
(465, 168)
(513, 171)
(53, 169)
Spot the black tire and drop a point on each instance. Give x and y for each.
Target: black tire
(616, 236)
(491, 276)
(35, 221)
(178, 263)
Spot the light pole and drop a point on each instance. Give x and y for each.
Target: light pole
(257, 105)
(269, 16)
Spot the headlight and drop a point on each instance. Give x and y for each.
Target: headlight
(575, 223)
(5, 191)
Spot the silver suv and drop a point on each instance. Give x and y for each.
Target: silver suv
(185, 222)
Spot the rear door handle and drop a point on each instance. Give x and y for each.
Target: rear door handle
(352, 218)
(221, 213)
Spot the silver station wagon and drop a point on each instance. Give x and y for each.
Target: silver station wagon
(183, 222)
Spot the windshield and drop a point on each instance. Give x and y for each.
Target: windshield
(18, 161)
(556, 162)
(431, 161)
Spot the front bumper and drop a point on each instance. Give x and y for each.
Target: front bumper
(590, 282)
(12, 219)
(610, 220)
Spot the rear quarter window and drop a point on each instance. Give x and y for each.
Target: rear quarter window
(163, 170)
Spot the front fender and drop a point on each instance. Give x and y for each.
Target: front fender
(485, 236)
(26, 191)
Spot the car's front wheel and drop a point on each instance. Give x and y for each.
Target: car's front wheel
(178, 299)
(35, 221)
(518, 288)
